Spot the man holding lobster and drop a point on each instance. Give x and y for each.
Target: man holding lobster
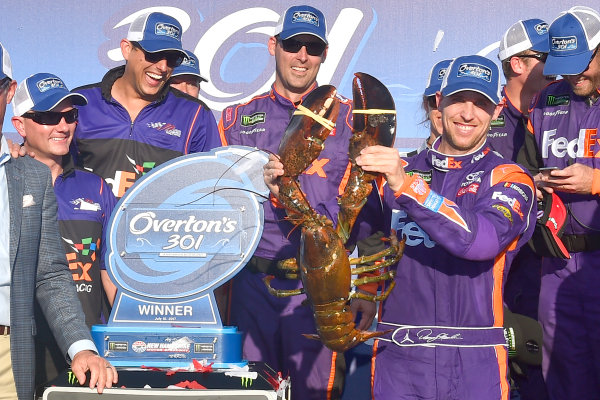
(273, 326)
(465, 212)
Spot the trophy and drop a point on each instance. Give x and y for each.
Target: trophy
(184, 229)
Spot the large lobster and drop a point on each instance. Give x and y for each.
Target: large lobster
(322, 262)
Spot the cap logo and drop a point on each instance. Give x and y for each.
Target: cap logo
(50, 83)
(165, 29)
(442, 73)
(475, 70)
(564, 43)
(305, 17)
(189, 62)
(541, 28)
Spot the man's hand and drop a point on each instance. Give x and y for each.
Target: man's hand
(576, 178)
(385, 160)
(271, 171)
(367, 309)
(102, 373)
(16, 150)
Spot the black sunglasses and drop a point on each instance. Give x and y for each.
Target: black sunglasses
(52, 117)
(174, 58)
(292, 45)
(540, 56)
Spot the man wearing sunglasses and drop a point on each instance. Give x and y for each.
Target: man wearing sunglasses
(46, 119)
(33, 266)
(523, 50)
(273, 327)
(133, 121)
(563, 122)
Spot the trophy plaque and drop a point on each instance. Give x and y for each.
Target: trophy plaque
(184, 229)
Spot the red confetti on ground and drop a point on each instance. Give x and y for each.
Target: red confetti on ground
(190, 385)
(201, 367)
(174, 371)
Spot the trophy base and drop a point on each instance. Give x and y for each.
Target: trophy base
(170, 347)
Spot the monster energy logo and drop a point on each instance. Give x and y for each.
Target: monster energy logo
(246, 382)
(72, 379)
(256, 118)
(498, 122)
(425, 175)
(562, 100)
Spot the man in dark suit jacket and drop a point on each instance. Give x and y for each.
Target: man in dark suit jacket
(37, 266)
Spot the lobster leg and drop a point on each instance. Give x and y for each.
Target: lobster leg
(371, 297)
(377, 278)
(280, 293)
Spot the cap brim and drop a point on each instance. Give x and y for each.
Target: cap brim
(542, 46)
(573, 64)
(155, 46)
(452, 89)
(295, 32)
(52, 101)
(189, 73)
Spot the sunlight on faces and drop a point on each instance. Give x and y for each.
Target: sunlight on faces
(47, 141)
(588, 82)
(146, 78)
(533, 75)
(189, 84)
(295, 72)
(466, 118)
(7, 91)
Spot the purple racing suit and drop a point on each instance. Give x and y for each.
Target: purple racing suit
(273, 326)
(522, 289)
(85, 204)
(507, 132)
(464, 218)
(108, 143)
(564, 130)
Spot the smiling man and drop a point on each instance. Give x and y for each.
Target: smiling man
(464, 211)
(273, 326)
(46, 118)
(563, 124)
(133, 121)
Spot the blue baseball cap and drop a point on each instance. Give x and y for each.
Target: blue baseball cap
(574, 36)
(529, 34)
(474, 73)
(302, 20)
(156, 32)
(43, 92)
(189, 66)
(436, 77)
(5, 64)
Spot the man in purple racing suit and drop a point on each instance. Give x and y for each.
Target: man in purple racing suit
(273, 326)
(464, 212)
(134, 121)
(564, 121)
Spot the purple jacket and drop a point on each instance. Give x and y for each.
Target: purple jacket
(120, 150)
(464, 218)
(507, 132)
(564, 131)
(261, 123)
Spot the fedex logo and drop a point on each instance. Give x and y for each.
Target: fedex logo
(409, 229)
(581, 147)
(511, 201)
(446, 163)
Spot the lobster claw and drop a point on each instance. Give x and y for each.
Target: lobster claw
(374, 123)
(311, 124)
(374, 109)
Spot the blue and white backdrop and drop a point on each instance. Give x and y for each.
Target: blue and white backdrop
(395, 40)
